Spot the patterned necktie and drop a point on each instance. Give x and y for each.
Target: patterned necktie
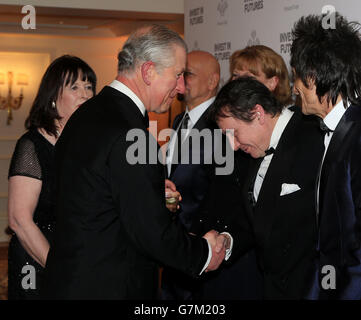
(182, 128)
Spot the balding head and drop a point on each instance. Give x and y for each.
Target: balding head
(202, 78)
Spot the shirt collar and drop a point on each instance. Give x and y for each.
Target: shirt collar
(197, 112)
(129, 93)
(280, 126)
(334, 116)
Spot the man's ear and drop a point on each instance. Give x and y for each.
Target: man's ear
(213, 81)
(259, 113)
(147, 70)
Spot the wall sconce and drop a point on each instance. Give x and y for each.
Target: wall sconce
(11, 103)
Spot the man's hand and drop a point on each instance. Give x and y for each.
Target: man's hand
(172, 196)
(219, 243)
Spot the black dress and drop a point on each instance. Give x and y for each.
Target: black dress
(33, 157)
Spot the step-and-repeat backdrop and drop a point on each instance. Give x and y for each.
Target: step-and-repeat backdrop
(224, 26)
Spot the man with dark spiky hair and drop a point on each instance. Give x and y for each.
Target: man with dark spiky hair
(327, 69)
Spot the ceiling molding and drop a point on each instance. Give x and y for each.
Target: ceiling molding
(85, 22)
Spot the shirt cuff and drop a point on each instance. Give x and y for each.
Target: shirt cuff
(228, 251)
(209, 258)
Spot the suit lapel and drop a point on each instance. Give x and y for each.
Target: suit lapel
(278, 172)
(338, 140)
(177, 120)
(176, 123)
(335, 153)
(248, 185)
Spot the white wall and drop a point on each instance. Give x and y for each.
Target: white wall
(224, 26)
(166, 6)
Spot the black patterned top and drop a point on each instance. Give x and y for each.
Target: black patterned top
(34, 157)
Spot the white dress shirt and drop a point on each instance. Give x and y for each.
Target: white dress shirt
(280, 126)
(331, 121)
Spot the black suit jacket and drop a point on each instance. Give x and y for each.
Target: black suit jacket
(339, 240)
(283, 228)
(112, 224)
(240, 277)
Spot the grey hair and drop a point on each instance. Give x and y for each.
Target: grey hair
(153, 43)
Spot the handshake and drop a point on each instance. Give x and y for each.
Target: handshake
(219, 244)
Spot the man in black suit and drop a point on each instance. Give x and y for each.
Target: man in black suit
(113, 228)
(327, 69)
(193, 179)
(278, 192)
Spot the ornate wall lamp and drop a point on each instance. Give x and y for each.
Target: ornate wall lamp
(12, 103)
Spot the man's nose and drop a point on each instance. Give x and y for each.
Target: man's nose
(180, 85)
(234, 144)
(85, 93)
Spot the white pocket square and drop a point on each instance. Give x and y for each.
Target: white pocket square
(288, 188)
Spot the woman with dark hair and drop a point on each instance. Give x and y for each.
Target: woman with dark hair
(67, 83)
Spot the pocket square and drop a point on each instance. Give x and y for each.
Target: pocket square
(288, 188)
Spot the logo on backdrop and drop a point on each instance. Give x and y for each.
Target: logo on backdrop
(254, 41)
(196, 16)
(285, 42)
(222, 50)
(291, 7)
(221, 8)
(252, 5)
